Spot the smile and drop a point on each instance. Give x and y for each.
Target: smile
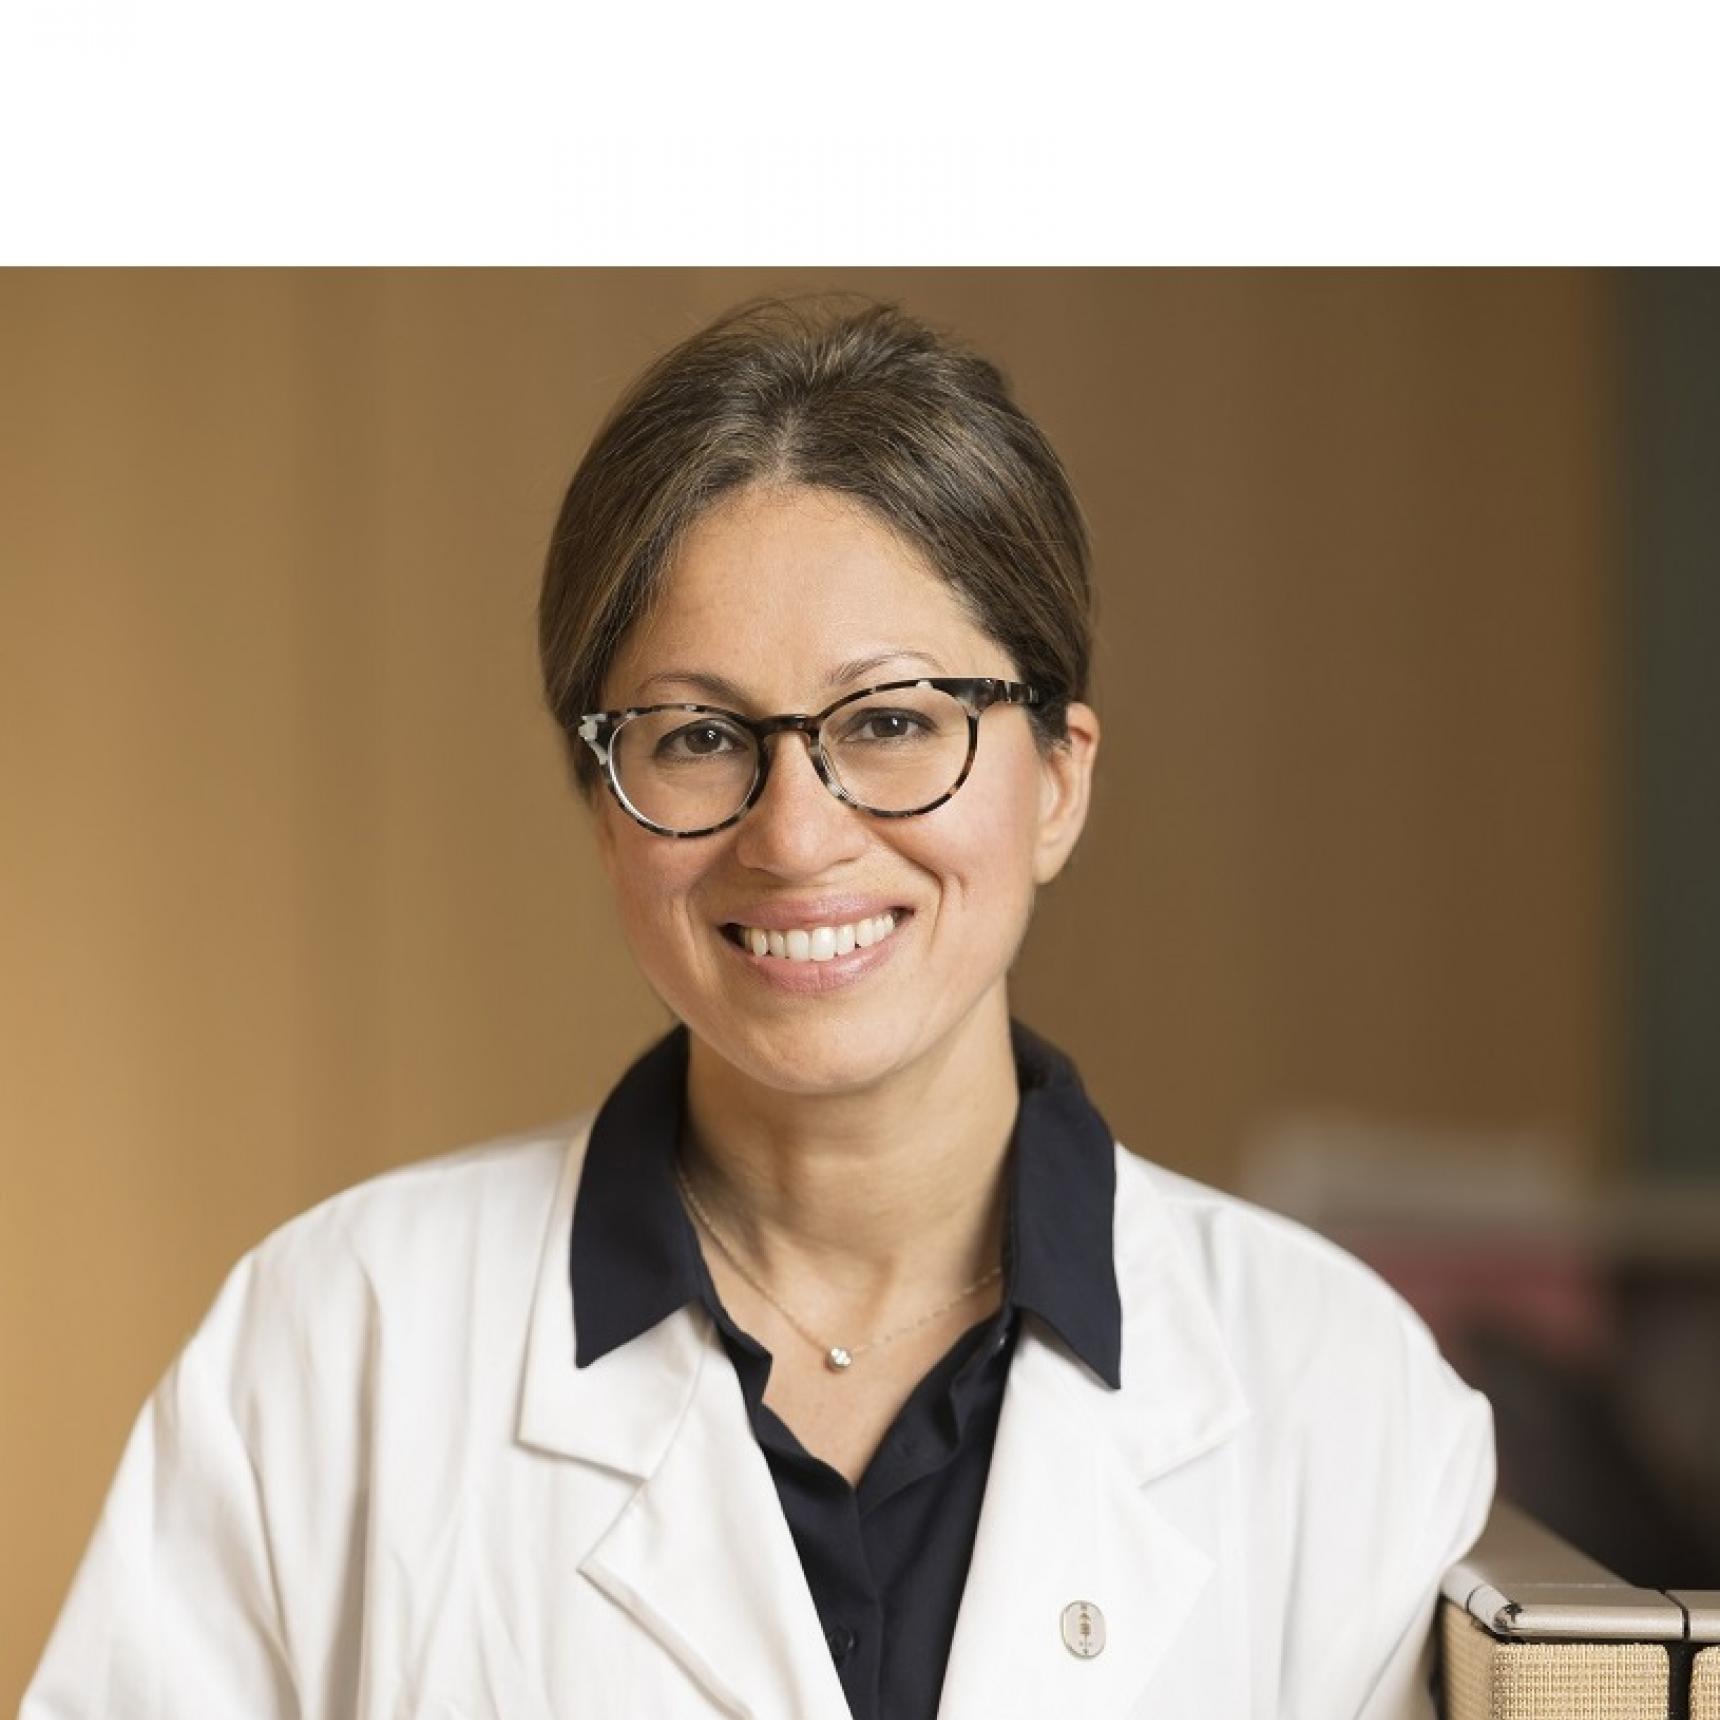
(816, 943)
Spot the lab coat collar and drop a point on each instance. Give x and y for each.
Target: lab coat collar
(702, 1557)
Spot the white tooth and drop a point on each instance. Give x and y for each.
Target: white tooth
(757, 942)
(799, 946)
(844, 940)
(880, 928)
(778, 943)
(865, 934)
(823, 943)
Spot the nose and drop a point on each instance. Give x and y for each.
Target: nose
(797, 828)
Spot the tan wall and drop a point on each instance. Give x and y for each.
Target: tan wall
(291, 888)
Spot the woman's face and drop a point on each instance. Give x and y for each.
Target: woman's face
(794, 597)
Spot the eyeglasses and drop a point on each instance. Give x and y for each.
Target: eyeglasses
(894, 751)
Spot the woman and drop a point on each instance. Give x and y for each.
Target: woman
(843, 1364)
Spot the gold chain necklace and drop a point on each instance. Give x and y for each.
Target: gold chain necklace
(837, 1357)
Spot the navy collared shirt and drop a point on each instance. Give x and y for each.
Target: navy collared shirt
(886, 1561)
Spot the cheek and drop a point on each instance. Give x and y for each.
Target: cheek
(651, 880)
(983, 855)
(1011, 800)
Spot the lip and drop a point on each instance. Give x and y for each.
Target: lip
(808, 979)
(802, 913)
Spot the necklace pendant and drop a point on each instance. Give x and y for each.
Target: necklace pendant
(836, 1359)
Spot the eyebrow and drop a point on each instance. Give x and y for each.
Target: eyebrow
(855, 669)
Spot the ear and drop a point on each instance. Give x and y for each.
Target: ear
(1065, 785)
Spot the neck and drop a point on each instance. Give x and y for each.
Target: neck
(896, 1189)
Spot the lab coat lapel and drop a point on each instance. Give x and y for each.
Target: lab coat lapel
(1069, 1512)
(703, 1558)
(700, 1556)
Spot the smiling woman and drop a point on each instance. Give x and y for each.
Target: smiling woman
(782, 847)
(842, 1363)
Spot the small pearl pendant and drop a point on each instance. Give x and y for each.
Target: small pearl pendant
(837, 1359)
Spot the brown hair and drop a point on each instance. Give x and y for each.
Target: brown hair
(859, 399)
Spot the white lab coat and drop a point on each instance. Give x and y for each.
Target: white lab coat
(374, 1485)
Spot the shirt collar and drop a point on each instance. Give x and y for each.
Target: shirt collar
(635, 1258)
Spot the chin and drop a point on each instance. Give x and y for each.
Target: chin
(810, 1057)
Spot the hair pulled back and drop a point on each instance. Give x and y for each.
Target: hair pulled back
(859, 399)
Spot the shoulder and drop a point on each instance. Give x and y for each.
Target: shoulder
(436, 1245)
(1248, 1253)
(482, 1194)
(1240, 1249)
(1310, 1329)
(431, 1214)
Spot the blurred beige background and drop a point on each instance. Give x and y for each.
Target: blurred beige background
(292, 888)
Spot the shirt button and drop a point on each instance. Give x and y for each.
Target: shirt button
(841, 1640)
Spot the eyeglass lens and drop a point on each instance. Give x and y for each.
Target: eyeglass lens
(895, 751)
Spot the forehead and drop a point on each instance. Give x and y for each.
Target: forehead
(773, 589)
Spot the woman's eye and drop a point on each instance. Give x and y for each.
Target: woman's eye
(698, 740)
(887, 726)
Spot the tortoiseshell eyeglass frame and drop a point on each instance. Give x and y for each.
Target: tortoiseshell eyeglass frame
(975, 693)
